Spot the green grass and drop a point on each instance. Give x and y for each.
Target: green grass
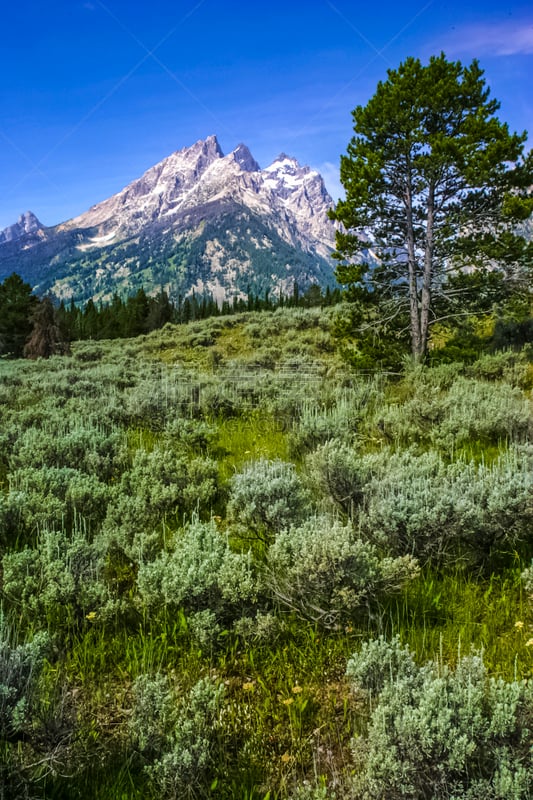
(288, 698)
(440, 615)
(249, 438)
(288, 713)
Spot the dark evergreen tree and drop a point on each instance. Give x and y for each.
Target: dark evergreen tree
(46, 338)
(313, 295)
(295, 301)
(16, 307)
(111, 319)
(186, 311)
(136, 314)
(90, 321)
(160, 311)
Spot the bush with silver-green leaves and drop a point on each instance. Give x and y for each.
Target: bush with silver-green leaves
(437, 732)
(161, 489)
(85, 448)
(200, 573)
(467, 411)
(54, 496)
(334, 414)
(20, 667)
(177, 736)
(408, 502)
(318, 424)
(60, 580)
(167, 481)
(266, 497)
(338, 474)
(440, 511)
(324, 572)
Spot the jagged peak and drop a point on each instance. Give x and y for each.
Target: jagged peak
(210, 146)
(29, 222)
(26, 223)
(29, 218)
(245, 159)
(284, 160)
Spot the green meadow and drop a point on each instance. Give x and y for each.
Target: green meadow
(234, 567)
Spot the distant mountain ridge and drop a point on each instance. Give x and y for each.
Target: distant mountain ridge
(198, 221)
(26, 223)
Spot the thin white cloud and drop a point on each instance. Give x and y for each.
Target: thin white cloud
(506, 38)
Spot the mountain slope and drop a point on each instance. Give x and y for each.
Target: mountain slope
(198, 221)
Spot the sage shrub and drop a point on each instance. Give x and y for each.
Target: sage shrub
(325, 573)
(266, 497)
(199, 572)
(440, 732)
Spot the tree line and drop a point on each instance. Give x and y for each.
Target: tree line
(29, 326)
(37, 328)
(140, 313)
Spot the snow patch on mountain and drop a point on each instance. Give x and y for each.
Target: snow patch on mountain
(255, 216)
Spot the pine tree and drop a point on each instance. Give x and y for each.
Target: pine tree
(16, 307)
(439, 184)
(160, 311)
(46, 338)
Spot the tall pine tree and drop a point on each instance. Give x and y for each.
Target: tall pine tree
(435, 184)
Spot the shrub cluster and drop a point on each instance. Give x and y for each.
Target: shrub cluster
(468, 411)
(168, 516)
(421, 504)
(266, 497)
(324, 572)
(440, 732)
(176, 737)
(199, 573)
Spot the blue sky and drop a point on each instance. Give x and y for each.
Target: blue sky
(93, 93)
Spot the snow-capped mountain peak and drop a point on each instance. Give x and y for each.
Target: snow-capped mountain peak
(174, 202)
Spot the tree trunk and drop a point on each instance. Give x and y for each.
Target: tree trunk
(428, 272)
(416, 340)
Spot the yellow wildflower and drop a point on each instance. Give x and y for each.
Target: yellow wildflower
(91, 616)
(297, 689)
(519, 625)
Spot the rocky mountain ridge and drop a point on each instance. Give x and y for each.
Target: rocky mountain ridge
(198, 221)
(26, 223)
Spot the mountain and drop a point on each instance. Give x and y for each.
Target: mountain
(198, 221)
(27, 223)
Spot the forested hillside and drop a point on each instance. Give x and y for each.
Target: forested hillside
(233, 567)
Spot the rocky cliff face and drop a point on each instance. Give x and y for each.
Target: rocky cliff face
(198, 220)
(27, 223)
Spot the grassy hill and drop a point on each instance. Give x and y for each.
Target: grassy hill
(231, 567)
